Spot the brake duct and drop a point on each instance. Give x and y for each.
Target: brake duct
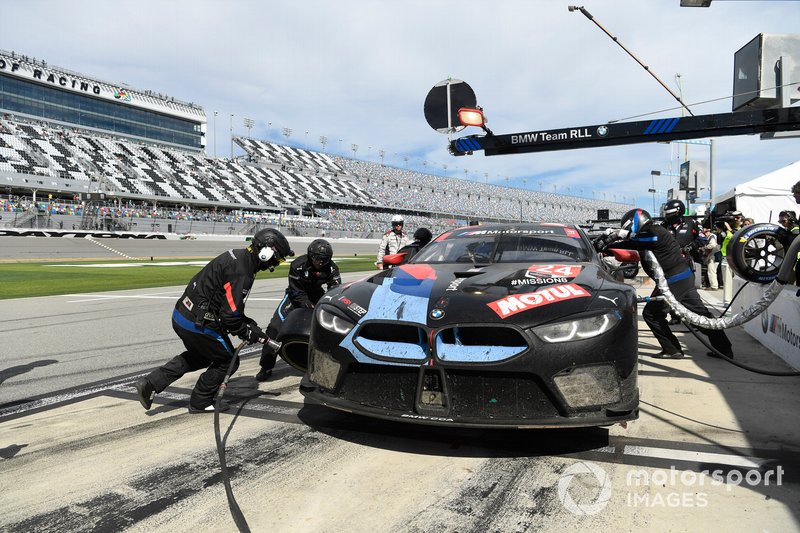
(775, 287)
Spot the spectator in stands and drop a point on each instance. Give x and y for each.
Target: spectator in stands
(211, 308)
(392, 240)
(307, 275)
(421, 237)
(796, 192)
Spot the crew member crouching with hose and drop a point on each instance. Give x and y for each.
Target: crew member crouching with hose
(211, 308)
(307, 276)
(639, 233)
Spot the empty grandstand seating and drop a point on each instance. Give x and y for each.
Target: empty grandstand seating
(277, 177)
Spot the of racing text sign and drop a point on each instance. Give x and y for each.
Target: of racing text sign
(516, 303)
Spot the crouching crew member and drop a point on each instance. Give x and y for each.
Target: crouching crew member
(307, 274)
(211, 308)
(639, 233)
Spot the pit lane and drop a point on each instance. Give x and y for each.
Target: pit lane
(80, 454)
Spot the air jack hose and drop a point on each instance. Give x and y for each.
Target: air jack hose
(693, 319)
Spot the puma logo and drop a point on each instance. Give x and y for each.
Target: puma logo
(612, 300)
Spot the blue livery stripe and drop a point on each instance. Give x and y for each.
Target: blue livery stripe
(663, 126)
(672, 124)
(650, 128)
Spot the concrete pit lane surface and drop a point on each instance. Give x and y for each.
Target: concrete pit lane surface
(715, 448)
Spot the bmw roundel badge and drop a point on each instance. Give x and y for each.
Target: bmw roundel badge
(602, 131)
(436, 314)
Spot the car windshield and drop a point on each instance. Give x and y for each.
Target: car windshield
(504, 247)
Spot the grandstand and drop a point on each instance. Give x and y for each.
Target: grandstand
(102, 170)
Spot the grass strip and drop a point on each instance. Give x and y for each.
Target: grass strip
(21, 280)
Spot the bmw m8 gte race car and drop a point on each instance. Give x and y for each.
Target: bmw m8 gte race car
(487, 326)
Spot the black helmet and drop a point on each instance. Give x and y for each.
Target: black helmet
(320, 252)
(635, 221)
(674, 209)
(271, 247)
(423, 236)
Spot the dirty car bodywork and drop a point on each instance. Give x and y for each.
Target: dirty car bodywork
(488, 326)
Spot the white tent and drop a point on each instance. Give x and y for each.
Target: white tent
(765, 196)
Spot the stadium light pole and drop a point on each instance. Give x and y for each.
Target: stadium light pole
(323, 141)
(382, 154)
(653, 174)
(354, 148)
(249, 123)
(306, 140)
(215, 134)
(231, 135)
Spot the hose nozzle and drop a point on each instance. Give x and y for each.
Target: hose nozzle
(273, 345)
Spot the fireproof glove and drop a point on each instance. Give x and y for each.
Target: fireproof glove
(253, 334)
(600, 243)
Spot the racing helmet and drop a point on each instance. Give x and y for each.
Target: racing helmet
(635, 221)
(423, 236)
(320, 252)
(271, 247)
(674, 209)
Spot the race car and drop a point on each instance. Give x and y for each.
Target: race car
(514, 325)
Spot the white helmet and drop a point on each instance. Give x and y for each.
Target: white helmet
(397, 219)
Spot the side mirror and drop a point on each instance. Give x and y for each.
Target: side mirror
(624, 256)
(394, 259)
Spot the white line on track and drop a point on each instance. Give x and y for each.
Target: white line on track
(101, 297)
(700, 457)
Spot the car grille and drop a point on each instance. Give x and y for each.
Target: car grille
(461, 344)
(479, 344)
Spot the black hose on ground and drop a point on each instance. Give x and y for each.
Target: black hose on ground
(735, 362)
(233, 506)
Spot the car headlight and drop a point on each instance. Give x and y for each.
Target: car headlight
(334, 323)
(583, 328)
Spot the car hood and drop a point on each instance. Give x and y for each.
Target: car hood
(437, 295)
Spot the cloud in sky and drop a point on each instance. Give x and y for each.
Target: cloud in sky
(359, 71)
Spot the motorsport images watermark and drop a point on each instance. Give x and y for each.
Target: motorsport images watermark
(673, 488)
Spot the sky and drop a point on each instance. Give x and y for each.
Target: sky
(358, 72)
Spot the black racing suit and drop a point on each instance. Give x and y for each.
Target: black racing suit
(211, 307)
(685, 232)
(304, 291)
(410, 250)
(680, 279)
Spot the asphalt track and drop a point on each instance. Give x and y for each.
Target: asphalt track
(78, 453)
